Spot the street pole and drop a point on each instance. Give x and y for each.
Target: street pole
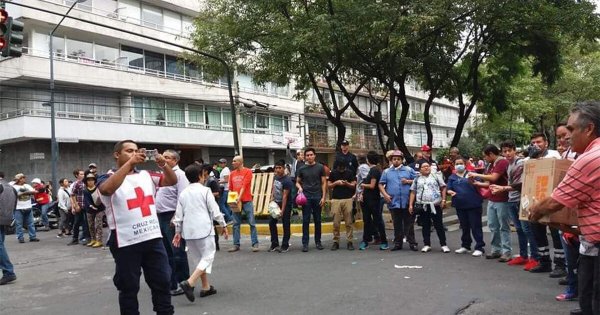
(236, 142)
(53, 143)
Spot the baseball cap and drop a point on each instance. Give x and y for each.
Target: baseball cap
(36, 181)
(19, 176)
(222, 160)
(397, 153)
(92, 165)
(90, 175)
(425, 148)
(345, 142)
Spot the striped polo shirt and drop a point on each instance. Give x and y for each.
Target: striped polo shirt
(579, 189)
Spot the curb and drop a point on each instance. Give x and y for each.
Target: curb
(295, 228)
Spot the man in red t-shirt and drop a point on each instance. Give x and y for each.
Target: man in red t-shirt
(498, 210)
(42, 198)
(240, 181)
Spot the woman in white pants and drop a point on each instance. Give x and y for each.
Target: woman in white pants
(193, 220)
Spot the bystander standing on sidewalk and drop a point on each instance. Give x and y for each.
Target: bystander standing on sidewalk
(240, 181)
(64, 206)
(342, 182)
(371, 206)
(282, 194)
(23, 213)
(8, 202)
(311, 180)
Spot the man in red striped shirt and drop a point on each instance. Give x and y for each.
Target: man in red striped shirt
(579, 189)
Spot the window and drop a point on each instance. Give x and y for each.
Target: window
(134, 57)
(187, 25)
(175, 113)
(105, 54)
(173, 65)
(248, 121)
(213, 116)
(154, 110)
(130, 9)
(172, 21)
(226, 117)
(58, 45)
(152, 16)
(79, 49)
(196, 114)
(262, 121)
(279, 123)
(191, 70)
(154, 61)
(107, 7)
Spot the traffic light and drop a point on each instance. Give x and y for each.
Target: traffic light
(11, 43)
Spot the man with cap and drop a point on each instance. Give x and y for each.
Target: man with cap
(93, 168)
(342, 182)
(42, 198)
(224, 183)
(344, 156)
(426, 150)
(23, 211)
(395, 185)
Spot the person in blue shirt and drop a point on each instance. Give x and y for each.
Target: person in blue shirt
(395, 188)
(467, 201)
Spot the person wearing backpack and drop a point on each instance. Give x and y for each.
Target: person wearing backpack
(427, 199)
(468, 203)
(64, 206)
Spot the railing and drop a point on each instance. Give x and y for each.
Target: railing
(311, 108)
(362, 142)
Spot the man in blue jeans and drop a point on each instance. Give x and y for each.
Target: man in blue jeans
(224, 183)
(240, 181)
(312, 182)
(23, 211)
(8, 202)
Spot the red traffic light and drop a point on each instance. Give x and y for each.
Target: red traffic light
(3, 16)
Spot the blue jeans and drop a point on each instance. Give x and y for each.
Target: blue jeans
(5, 264)
(313, 207)
(44, 209)
(21, 217)
(514, 216)
(224, 207)
(498, 214)
(248, 208)
(572, 257)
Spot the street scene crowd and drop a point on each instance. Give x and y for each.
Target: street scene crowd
(168, 223)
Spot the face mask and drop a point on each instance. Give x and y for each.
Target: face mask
(460, 168)
(534, 151)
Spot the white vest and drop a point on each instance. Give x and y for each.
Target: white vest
(130, 211)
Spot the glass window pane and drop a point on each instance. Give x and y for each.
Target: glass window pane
(174, 66)
(187, 25)
(262, 121)
(191, 70)
(138, 108)
(106, 7)
(155, 61)
(213, 116)
(58, 45)
(152, 16)
(248, 121)
(134, 57)
(226, 117)
(196, 113)
(155, 110)
(79, 49)
(175, 113)
(277, 123)
(130, 9)
(172, 22)
(105, 54)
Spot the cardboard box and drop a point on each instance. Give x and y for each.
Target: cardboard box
(540, 177)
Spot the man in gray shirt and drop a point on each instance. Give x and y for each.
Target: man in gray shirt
(312, 182)
(166, 203)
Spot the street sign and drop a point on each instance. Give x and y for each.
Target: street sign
(67, 140)
(36, 156)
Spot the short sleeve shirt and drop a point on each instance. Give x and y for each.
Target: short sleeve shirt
(500, 166)
(310, 177)
(23, 201)
(342, 191)
(281, 184)
(239, 179)
(374, 173)
(428, 189)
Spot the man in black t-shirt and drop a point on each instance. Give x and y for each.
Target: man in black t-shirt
(343, 184)
(311, 181)
(372, 212)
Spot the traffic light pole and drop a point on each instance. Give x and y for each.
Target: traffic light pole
(236, 142)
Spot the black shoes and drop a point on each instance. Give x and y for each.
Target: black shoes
(21, 241)
(350, 246)
(558, 273)
(176, 292)
(74, 242)
(335, 246)
(413, 247)
(493, 256)
(576, 311)
(8, 279)
(284, 249)
(541, 268)
(304, 248)
(188, 290)
(274, 248)
(34, 240)
(563, 281)
(319, 246)
(396, 247)
(208, 292)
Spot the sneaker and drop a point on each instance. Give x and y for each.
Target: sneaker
(477, 253)
(517, 261)
(413, 247)
(60, 235)
(274, 248)
(255, 248)
(21, 241)
(426, 249)
(319, 246)
(34, 239)
(384, 246)
(90, 243)
(188, 290)
(563, 281)
(335, 246)
(576, 311)
(493, 256)
(363, 245)
(558, 273)
(350, 246)
(540, 268)
(531, 263)
(566, 297)
(304, 248)
(505, 258)
(8, 279)
(73, 243)
(97, 244)
(461, 250)
(284, 249)
(235, 248)
(396, 247)
(176, 292)
(445, 249)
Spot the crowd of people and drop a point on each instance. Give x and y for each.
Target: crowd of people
(153, 217)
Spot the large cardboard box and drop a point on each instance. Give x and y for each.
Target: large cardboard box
(540, 177)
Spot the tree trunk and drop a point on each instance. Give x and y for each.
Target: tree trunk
(460, 126)
(427, 119)
(341, 133)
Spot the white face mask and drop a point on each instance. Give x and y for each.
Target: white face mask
(460, 168)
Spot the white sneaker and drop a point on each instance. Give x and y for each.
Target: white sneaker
(445, 249)
(461, 250)
(426, 249)
(477, 253)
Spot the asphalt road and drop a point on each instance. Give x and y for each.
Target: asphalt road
(57, 279)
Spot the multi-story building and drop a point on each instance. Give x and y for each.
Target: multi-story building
(112, 86)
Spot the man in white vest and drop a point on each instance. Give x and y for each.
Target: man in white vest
(135, 239)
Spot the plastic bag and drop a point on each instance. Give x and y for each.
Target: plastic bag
(274, 210)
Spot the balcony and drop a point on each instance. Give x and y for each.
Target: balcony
(321, 140)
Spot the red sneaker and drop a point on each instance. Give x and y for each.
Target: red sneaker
(566, 297)
(517, 261)
(531, 263)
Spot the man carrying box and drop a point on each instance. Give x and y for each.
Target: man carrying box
(579, 190)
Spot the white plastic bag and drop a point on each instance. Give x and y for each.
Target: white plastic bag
(274, 210)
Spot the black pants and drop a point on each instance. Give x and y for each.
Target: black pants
(149, 256)
(539, 232)
(404, 226)
(285, 218)
(177, 256)
(589, 284)
(78, 222)
(373, 220)
(470, 223)
(426, 218)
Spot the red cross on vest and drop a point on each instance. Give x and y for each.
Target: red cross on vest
(141, 201)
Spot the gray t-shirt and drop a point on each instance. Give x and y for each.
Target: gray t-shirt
(310, 179)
